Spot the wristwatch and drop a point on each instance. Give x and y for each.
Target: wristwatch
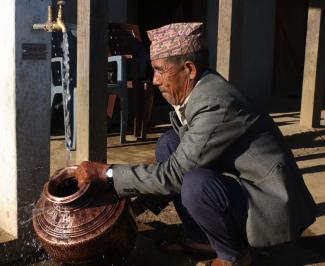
(109, 174)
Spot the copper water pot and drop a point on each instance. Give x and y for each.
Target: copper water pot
(77, 225)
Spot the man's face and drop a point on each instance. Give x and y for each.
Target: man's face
(173, 80)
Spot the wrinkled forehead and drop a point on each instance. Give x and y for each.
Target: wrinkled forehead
(163, 63)
(159, 62)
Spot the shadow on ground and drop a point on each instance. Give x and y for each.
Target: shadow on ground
(308, 139)
(307, 250)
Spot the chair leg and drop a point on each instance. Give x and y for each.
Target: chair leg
(52, 98)
(110, 106)
(124, 112)
(124, 106)
(147, 108)
(138, 102)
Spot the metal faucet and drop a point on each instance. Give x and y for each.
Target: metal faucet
(51, 24)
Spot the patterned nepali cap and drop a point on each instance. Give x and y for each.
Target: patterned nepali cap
(176, 39)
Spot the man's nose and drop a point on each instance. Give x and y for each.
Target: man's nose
(155, 80)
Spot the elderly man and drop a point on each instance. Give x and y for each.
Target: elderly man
(225, 165)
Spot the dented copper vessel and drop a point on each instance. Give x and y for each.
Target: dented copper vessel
(77, 225)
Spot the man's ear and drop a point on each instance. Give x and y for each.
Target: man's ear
(191, 68)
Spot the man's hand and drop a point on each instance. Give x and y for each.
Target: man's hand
(91, 172)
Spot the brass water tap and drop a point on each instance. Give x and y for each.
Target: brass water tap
(51, 24)
(59, 24)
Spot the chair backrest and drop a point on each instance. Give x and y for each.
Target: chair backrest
(125, 39)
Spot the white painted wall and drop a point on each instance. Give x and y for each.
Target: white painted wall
(8, 160)
(24, 121)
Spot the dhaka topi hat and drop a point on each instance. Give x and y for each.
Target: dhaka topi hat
(176, 39)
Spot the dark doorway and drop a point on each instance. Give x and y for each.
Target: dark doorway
(291, 26)
(153, 14)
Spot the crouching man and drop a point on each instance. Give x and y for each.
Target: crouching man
(224, 164)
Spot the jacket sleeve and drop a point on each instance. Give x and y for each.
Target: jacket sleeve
(213, 125)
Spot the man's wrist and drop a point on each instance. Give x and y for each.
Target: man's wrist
(109, 175)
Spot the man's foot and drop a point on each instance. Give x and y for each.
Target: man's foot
(245, 260)
(187, 246)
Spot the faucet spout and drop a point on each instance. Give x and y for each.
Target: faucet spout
(59, 24)
(53, 25)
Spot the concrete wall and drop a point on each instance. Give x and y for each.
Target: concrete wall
(245, 45)
(117, 10)
(25, 122)
(212, 30)
(257, 48)
(8, 159)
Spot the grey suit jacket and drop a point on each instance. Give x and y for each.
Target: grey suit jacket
(224, 132)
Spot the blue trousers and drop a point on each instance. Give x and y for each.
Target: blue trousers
(212, 206)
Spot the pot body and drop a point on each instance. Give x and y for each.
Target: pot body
(77, 225)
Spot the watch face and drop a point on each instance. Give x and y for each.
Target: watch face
(109, 173)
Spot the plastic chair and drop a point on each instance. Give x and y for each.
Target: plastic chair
(119, 88)
(125, 40)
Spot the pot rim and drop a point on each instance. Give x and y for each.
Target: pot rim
(59, 176)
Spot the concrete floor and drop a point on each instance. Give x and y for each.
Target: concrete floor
(308, 147)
